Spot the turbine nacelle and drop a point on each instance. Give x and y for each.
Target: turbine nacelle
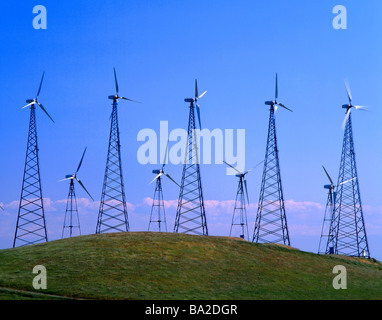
(70, 176)
(346, 106)
(113, 97)
(270, 103)
(191, 100)
(157, 171)
(328, 186)
(30, 100)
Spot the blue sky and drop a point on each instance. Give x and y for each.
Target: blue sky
(158, 48)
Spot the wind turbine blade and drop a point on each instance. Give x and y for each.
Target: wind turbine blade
(116, 81)
(168, 176)
(348, 90)
(198, 111)
(277, 88)
(156, 177)
(196, 89)
(79, 165)
(330, 179)
(165, 156)
(1, 207)
(363, 108)
(66, 179)
(28, 104)
(128, 99)
(281, 105)
(232, 167)
(347, 181)
(82, 185)
(254, 167)
(43, 109)
(346, 119)
(39, 88)
(246, 190)
(202, 94)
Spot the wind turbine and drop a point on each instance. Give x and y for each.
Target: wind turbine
(71, 204)
(348, 221)
(158, 203)
(239, 217)
(112, 214)
(327, 230)
(271, 223)
(190, 213)
(31, 226)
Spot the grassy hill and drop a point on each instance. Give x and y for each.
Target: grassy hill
(142, 265)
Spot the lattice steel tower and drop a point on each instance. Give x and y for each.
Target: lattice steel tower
(31, 225)
(72, 220)
(239, 224)
(190, 214)
(271, 223)
(112, 216)
(158, 216)
(327, 233)
(348, 223)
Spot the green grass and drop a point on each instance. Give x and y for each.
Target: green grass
(141, 265)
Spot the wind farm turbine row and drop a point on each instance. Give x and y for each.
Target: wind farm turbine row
(339, 232)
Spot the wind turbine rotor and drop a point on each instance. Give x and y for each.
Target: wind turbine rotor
(74, 176)
(116, 95)
(34, 101)
(274, 103)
